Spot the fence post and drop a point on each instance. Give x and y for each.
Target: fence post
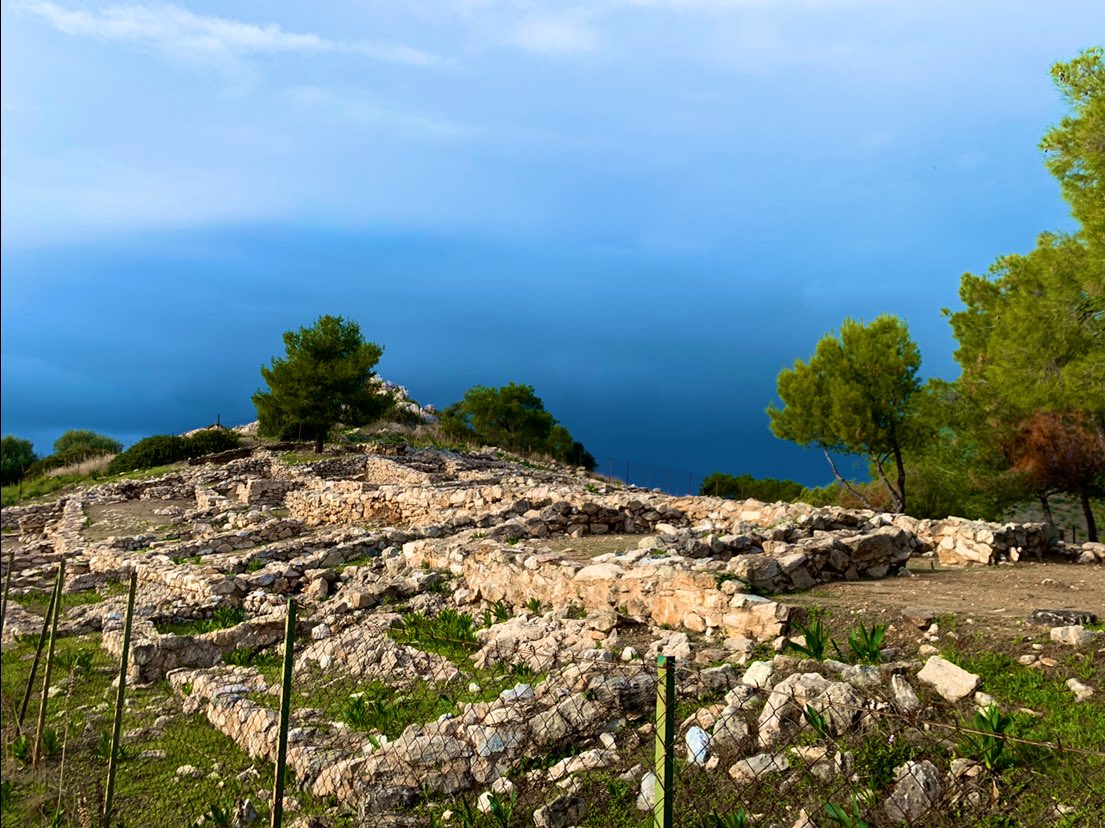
(37, 754)
(285, 712)
(662, 809)
(38, 657)
(7, 589)
(120, 696)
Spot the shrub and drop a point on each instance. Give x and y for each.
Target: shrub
(16, 456)
(212, 441)
(163, 449)
(159, 450)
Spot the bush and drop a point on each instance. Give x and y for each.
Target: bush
(212, 441)
(87, 443)
(767, 489)
(159, 450)
(163, 449)
(17, 455)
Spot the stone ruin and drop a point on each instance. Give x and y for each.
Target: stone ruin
(353, 537)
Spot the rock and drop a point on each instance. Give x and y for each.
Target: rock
(804, 820)
(1075, 636)
(905, 699)
(646, 799)
(1081, 691)
(916, 791)
(729, 730)
(1062, 617)
(758, 766)
(629, 654)
(920, 618)
(562, 812)
(188, 772)
(698, 745)
(518, 692)
(758, 674)
(861, 675)
(951, 682)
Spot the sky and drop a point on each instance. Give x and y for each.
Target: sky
(643, 208)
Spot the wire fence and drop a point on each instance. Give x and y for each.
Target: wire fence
(645, 475)
(159, 704)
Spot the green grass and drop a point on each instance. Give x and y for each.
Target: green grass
(449, 633)
(147, 791)
(48, 488)
(222, 618)
(1014, 686)
(39, 602)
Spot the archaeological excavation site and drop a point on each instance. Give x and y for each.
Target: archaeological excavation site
(391, 635)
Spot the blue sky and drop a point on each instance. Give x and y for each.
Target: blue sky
(645, 208)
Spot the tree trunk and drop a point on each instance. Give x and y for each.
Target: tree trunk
(1091, 524)
(1045, 504)
(901, 478)
(897, 496)
(847, 485)
(318, 445)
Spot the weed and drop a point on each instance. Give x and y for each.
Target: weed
(847, 819)
(576, 612)
(988, 745)
(21, 749)
(879, 754)
(255, 564)
(220, 619)
(816, 721)
(51, 744)
(816, 638)
(866, 643)
(534, 605)
(501, 810)
(737, 819)
(7, 794)
(215, 817)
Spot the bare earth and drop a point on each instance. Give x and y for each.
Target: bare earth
(995, 600)
(998, 599)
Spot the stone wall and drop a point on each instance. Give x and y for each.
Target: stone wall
(667, 594)
(961, 541)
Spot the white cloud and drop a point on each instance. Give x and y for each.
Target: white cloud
(559, 35)
(360, 110)
(182, 34)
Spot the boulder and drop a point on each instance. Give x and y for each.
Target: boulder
(917, 790)
(951, 682)
(1076, 636)
(1062, 617)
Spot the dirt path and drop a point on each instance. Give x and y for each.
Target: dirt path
(998, 599)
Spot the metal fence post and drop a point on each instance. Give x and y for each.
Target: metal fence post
(37, 754)
(38, 657)
(120, 696)
(285, 712)
(662, 809)
(7, 589)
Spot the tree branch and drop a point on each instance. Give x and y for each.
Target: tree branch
(847, 485)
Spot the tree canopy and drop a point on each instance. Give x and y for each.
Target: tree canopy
(16, 455)
(1031, 335)
(85, 442)
(513, 417)
(323, 379)
(853, 396)
(745, 486)
(1075, 148)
